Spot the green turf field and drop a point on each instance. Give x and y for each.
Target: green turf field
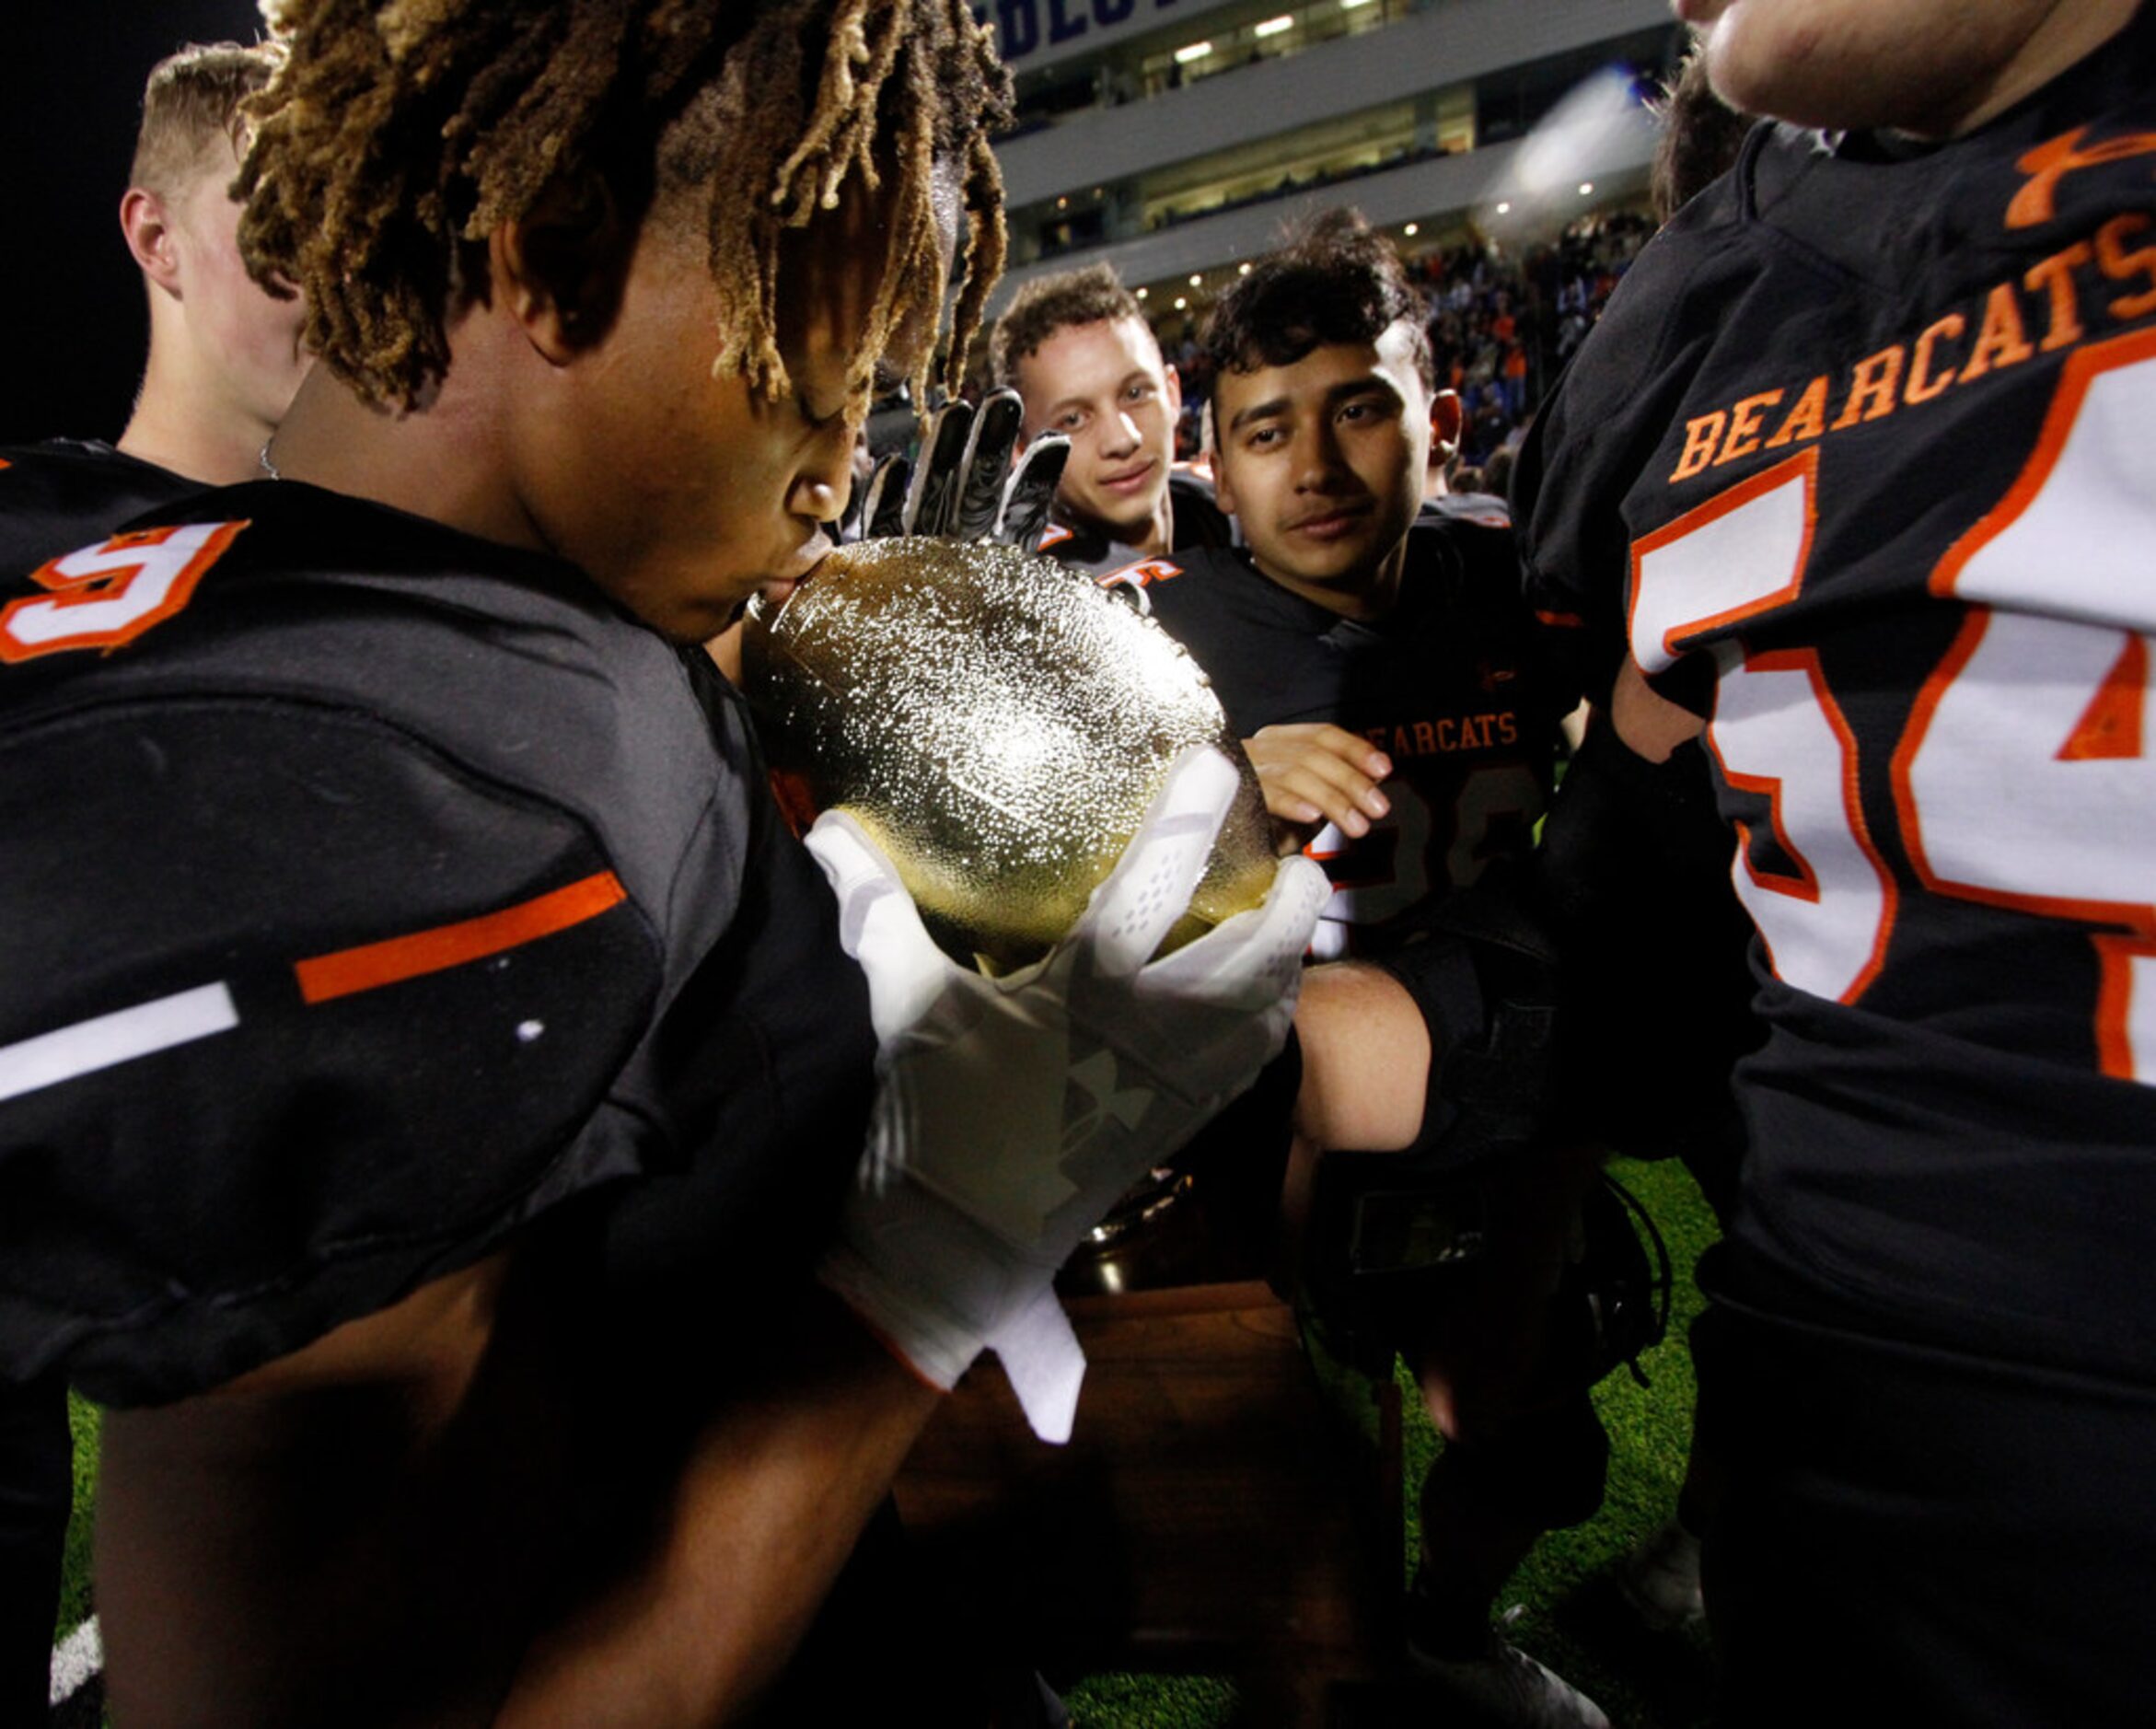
(1566, 1614)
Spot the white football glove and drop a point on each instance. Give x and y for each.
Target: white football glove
(1012, 1112)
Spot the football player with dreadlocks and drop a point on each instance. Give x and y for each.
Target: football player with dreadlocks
(428, 1045)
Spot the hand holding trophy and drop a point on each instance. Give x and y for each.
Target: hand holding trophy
(1057, 870)
(1012, 1111)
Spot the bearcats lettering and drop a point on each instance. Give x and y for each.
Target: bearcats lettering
(1446, 734)
(2108, 279)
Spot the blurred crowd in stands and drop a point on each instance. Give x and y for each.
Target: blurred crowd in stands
(1500, 327)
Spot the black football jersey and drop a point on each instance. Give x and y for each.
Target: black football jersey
(1861, 463)
(371, 890)
(1485, 509)
(1450, 686)
(1199, 522)
(66, 493)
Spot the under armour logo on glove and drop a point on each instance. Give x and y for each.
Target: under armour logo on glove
(1097, 1080)
(1012, 1112)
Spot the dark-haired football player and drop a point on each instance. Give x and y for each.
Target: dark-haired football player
(1854, 481)
(224, 361)
(432, 1081)
(1385, 674)
(1077, 349)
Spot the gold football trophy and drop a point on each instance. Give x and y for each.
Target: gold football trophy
(998, 724)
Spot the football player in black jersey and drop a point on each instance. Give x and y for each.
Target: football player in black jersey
(430, 1072)
(224, 361)
(1077, 349)
(1385, 675)
(1853, 480)
(224, 354)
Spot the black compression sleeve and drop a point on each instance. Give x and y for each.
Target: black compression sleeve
(1635, 875)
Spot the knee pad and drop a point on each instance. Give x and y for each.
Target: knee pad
(1388, 1228)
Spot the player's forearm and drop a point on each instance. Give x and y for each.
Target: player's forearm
(766, 1512)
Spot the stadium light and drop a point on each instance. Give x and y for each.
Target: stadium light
(1243, 269)
(1586, 188)
(1273, 26)
(1348, 6)
(1197, 279)
(1143, 292)
(1192, 50)
(1412, 229)
(1504, 207)
(1180, 303)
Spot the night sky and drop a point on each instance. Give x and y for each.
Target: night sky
(72, 324)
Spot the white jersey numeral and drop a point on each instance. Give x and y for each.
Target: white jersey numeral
(1777, 731)
(1490, 798)
(2022, 778)
(1360, 898)
(2025, 779)
(105, 595)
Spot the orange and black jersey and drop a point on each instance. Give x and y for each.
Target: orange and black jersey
(373, 890)
(1861, 463)
(67, 491)
(1450, 685)
(1198, 523)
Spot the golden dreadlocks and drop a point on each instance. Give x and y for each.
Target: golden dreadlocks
(400, 133)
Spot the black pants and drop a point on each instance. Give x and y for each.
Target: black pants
(1915, 1536)
(37, 1479)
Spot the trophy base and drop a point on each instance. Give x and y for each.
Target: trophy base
(1142, 1205)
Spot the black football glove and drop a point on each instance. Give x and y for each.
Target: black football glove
(963, 486)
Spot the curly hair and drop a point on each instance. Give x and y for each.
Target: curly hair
(401, 133)
(1338, 279)
(1049, 304)
(192, 103)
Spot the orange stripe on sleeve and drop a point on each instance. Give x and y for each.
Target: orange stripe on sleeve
(1562, 621)
(400, 957)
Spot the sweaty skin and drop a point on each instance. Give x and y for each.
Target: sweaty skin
(1932, 68)
(1322, 464)
(1104, 387)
